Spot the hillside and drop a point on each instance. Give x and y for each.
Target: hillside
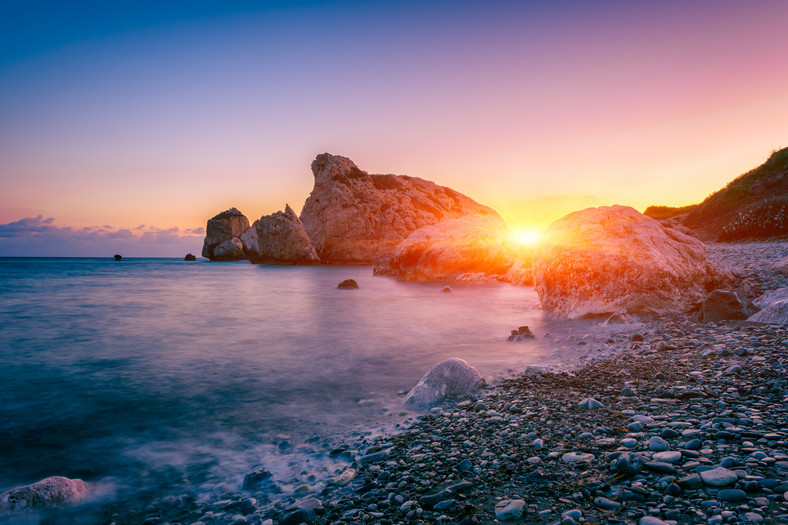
(752, 206)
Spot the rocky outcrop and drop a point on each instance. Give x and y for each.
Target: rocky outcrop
(55, 491)
(770, 296)
(278, 239)
(601, 261)
(222, 235)
(447, 251)
(451, 377)
(354, 217)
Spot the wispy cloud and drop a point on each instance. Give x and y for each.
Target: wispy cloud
(41, 237)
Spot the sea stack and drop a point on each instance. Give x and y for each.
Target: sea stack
(353, 217)
(222, 242)
(278, 238)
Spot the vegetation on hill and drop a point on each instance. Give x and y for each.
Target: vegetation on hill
(752, 206)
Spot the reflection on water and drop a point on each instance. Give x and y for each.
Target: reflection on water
(124, 369)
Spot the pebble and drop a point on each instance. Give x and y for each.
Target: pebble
(509, 509)
(719, 477)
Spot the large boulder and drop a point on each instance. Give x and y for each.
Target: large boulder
(224, 230)
(770, 296)
(613, 259)
(55, 491)
(473, 244)
(451, 377)
(354, 217)
(775, 313)
(278, 239)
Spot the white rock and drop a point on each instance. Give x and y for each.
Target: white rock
(345, 478)
(448, 378)
(354, 217)
(279, 238)
(719, 477)
(55, 491)
(577, 457)
(775, 313)
(601, 261)
(589, 403)
(509, 509)
(651, 520)
(770, 296)
(473, 248)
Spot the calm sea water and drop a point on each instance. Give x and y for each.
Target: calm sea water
(148, 373)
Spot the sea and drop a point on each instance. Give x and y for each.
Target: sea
(160, 376)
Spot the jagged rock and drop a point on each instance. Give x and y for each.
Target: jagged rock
(601, 261)
(723, 305)
(55, 491)
(354, 217)
(229, 250)
(227, 226)
(451, 250)
(278, 239)
(775, 313)
(190, 257)
(118, 257)
(348, 284)
(770, 296)
(448, 378)
(523, 333)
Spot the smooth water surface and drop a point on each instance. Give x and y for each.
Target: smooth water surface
(146, 371)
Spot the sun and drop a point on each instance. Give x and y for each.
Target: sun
(524, 237)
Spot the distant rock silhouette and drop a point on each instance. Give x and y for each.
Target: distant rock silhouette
(222, 234)
(279, 239)
(523, 333)
(354, 217)
(118, 257)
(348, 284)
(612, 259)
(190, 257)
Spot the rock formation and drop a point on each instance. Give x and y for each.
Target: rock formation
(601, 261)
(348, 284)
(278, 239)
(770, 296)
(55, 491)
(448, 378)
(222, 234)
(473, 244)
(354, 217)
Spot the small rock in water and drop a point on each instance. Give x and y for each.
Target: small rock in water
(348, 284)
(448, 378)
(55, 491)
(446, 289)
(509, 509)
(256, 478)
(522, 333)
(345, 478)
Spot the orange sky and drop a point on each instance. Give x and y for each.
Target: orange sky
(536, 110)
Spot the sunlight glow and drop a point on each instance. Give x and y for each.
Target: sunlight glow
(524, 237)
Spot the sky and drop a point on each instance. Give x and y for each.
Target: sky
(125, 125)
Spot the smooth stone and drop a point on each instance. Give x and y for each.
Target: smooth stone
(577, 457)
(656, 443)
(509, 509)
(589, 403)
(719, 477)
(731, 495)
(606, 504)
(669, 456)
(651, 520)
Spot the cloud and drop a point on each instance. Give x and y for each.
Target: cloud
(40, 237)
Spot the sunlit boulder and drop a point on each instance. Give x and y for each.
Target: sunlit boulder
(278, 238)
(472, 248)
(451, 377)
(222, 236)
(775, 313)
(606, 260)
(55, 491)
(352, 216)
